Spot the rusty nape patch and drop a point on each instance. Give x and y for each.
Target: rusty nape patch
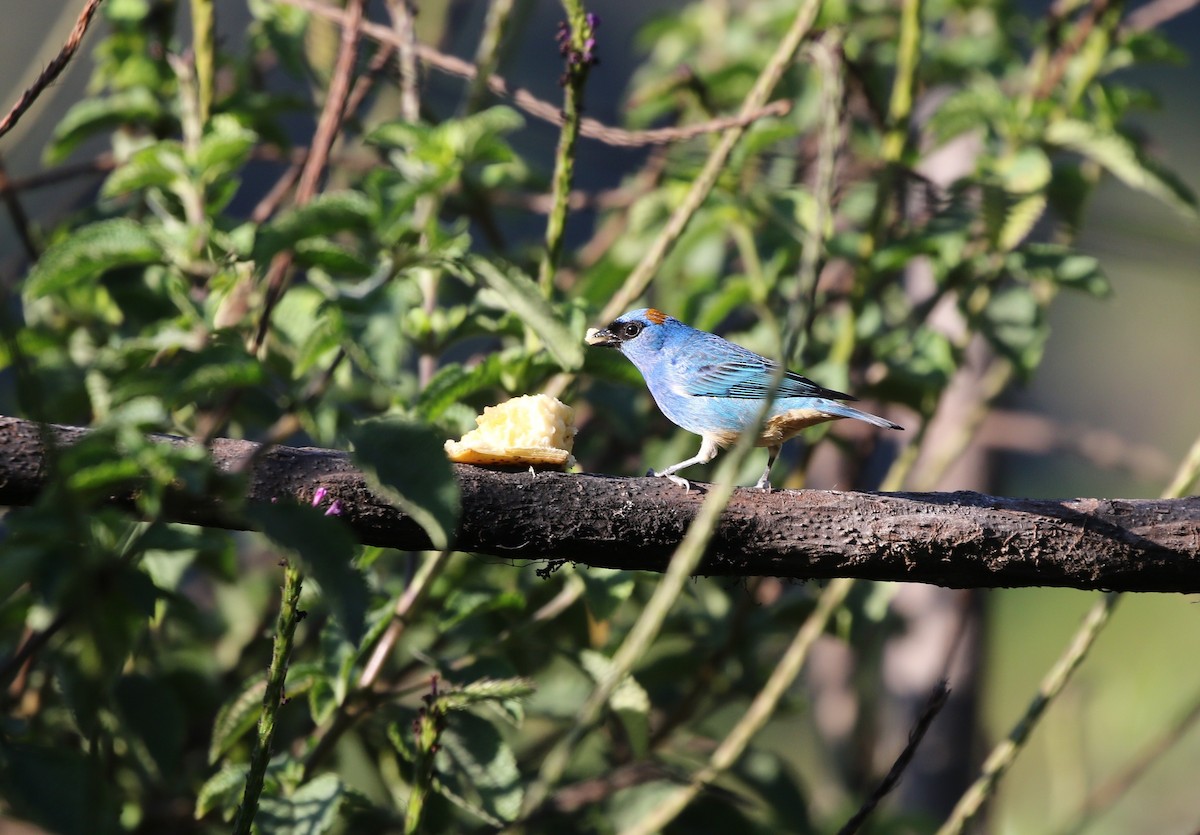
(656, 316)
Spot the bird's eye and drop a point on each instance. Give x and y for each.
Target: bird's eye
(630, 329)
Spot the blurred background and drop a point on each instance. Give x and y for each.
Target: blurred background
(1110, 413)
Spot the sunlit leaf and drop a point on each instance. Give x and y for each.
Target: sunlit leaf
(1124, 160)
(89, 252)
(519, 294)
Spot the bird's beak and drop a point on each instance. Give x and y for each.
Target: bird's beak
(602, 337)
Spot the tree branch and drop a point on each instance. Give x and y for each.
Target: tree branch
(960, 540)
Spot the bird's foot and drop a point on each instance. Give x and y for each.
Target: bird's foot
(764, 483)
(680, 480)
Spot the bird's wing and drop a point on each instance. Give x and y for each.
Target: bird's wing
(743, 374)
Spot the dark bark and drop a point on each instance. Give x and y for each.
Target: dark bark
(950, 539)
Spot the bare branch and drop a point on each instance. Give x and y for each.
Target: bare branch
(53, 69)
(527, 101)
(960, 540)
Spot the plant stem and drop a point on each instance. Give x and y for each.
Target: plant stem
(487, 55)
(285, 633)
(204, 48)
(575, 76)
(1002, 756)
(756, 716)
(648, 267)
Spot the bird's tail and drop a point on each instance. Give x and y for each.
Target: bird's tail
(842, 410)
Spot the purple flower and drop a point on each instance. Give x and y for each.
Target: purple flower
(319, 496)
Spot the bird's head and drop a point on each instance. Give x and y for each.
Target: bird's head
(638, 334)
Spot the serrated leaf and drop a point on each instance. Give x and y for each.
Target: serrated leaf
(222, 791)
(325, 215)
(484, 777)
(237, 716)
(332, 257)
(404, 460)
(1124, 160)
(224, 148)
(489, 690)
(311, 810)
(89, 251)
(93, 115)
(153, 167)
(519, 294)
(326, 550)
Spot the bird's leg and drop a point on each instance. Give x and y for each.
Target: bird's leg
(764, 483)
(708, 451)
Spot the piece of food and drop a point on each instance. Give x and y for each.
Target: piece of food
(533, 429)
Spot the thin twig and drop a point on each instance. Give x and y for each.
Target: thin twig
(1154, 14)
(1103, 796)
(756, 715)
(16, 212)
(33, 642)
(937, 701)
(1002, 756)
(487, 54)
(358, 703)
(826, 53)
(756, 99)
(327, 129)
(406, 55)
(53, 69)
(1057, 66)
(522, 98)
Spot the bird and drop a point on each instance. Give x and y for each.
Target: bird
(715, 388)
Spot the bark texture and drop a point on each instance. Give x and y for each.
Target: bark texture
(958, 540)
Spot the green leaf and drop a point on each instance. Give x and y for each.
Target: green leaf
(332, 257)
(517, 293)
(605, 589)
(154, 167)
(310, 810)
(453, 383)
(1061, 265)
(90, 251)
(405, 461)
(483, 778)
(1015, 324)
(92, 115)
(629, 701)
(1124, 160)
(489, 690)
(325, 215)
(222, 791)
(237, 716)
(224, 148)
(326, 550)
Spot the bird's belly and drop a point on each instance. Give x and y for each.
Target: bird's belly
(780, 427)
(722, 419)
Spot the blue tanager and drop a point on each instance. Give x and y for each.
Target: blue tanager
(714, 388)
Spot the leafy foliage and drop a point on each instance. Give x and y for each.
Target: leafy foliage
(425, 690)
